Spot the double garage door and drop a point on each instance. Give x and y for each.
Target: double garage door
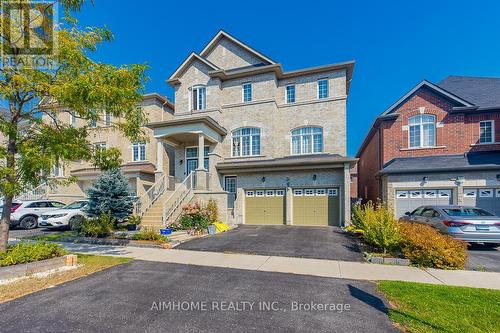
(314, 207)
(486, 198)
(407, 200)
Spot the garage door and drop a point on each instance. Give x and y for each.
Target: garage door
(316, 206)
(408, 200)
(265, 206)
(486, 198)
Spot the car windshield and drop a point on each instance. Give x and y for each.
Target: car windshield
(76, 205)
(467, 212)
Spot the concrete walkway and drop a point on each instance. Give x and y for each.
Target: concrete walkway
(312, 267)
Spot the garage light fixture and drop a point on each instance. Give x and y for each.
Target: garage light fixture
(315, 177)
(424, 180)
(263, 179)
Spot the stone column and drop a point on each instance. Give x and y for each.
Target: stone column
(159, 160)
(289, 206)
(201, 151)
(347, 194)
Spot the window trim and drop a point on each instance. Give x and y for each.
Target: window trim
(312, 142)
(327, 88)
(243, 91)
(421, 132)
(106, 119)
(191, 101)
(493, 139)
(251, 142)
(294, 93)
(139, 144)
(196, 158)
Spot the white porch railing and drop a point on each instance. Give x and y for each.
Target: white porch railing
(145, 201)
(38, 192)
(177, 198)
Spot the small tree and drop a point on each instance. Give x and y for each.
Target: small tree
(110, 194)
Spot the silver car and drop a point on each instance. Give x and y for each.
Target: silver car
(471, 224)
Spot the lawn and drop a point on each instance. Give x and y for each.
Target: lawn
(419, 307)
(87, 264)
(53, 237)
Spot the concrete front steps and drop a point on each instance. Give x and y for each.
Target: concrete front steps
(154, 215)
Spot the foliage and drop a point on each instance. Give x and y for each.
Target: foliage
(149, 234)
(426, 246)
(194, 217)
(378, 226)
(55, 237)
(25, 252)
(134, 219)
(98, 226)
(213, 210)
(110, 194)
(436, 308)
(107, 159)
(35, 135)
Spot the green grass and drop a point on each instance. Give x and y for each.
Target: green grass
(53, 237)
(434, 308)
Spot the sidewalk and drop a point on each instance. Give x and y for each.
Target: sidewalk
(312, 267)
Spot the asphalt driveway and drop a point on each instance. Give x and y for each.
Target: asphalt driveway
(134, 297)
(287, 241)
(484, 258)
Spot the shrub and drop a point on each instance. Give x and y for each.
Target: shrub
(213, 210)
(194, 217)
(110, 193)
(98, 227)
(426, 246)
(378, 225)
(134, 219)
(149, 234)
(25, 252)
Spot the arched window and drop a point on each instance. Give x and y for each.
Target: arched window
(422, 131)
(307, 140)
(246, 141)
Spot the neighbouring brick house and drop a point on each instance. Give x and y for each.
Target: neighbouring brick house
(439, 143)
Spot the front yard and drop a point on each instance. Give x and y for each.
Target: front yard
(419, 307)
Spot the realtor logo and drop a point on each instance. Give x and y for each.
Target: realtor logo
(29, 35)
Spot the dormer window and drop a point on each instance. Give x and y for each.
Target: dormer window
(199, 100)
(422, 131)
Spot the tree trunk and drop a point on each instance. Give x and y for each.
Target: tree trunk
(4, 222)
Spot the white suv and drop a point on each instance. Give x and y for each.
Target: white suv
(26, 213)
(68, 216)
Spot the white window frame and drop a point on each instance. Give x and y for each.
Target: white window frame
(106, 119)
(441, 192)
(492, 124)
(301, 136)
(327, 88)
(430, 196)
(472, 193)
(280, 193)
(298, 192)
(198, 88)
(58, 170)
(320, 192)
(205, 157)
(241, 136)
(260, 193)
(72, 118)
(485, 189)
(250, 194)
(294, 93)
(243, 91)
(100, 145)
(333, 192)
(309, 192)
(497, 192)
(402, 195)
(269, 193)
(421, 130)
(140, 146)
(416, 196)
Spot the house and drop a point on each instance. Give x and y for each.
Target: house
(142, 162)
(268, 145)
(437, 144)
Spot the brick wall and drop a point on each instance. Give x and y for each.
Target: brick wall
(368, 167)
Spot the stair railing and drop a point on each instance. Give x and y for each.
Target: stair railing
(176, 199)
(145, 201)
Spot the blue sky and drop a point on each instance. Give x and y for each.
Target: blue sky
(395, 44)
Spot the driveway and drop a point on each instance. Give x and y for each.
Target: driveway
(286, 241)
(483, 258)
(22, 233)
(128, 298)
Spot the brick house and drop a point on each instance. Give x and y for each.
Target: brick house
(438, 144)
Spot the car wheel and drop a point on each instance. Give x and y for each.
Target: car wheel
(75, 223)
(28, 222)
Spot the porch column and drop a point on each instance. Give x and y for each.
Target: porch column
(159, 156)
(347, 194)
(201, 152)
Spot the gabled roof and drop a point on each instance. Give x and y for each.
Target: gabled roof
(222, 34)
(192, 57)
(484, 92)
(431, 86)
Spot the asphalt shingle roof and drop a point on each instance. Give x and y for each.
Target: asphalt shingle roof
(483, 92)
(472, 161)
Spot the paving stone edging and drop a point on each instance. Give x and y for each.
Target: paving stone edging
(22, 270)
(386, 260)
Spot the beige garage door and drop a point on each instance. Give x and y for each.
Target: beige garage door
(318, 206)
(265, 206)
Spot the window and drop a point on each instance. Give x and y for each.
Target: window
(247, 92)
(401, 194)
(280, 193)
(444, 193)
(415, 194)
(323, 88)
(230, 184)
(58, 170)
(139, 151)
(470, 193)
(486, 193)
(307, 140)
(298, 193)
(333, 192)
(422, 131)
(192, 159)
(199, 101)
(259, 193)
(107, 119)
(72, 119)
(100, 145)
(430, 194)
(246, 142)
(486, 132)
(250, 193)
(269, 193)
(290, 93)
(321, 192)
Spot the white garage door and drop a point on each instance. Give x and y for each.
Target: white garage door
(486, 198)
(408, 200)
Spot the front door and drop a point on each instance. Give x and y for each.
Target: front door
(230, 187)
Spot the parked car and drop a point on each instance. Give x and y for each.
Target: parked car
(67, 217)
(471, 224)
(26, 213)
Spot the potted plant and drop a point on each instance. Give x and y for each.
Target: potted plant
(133, 222)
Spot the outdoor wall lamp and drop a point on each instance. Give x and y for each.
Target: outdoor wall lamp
(180, 162)
(263, 179)
(424, 179)
(287, 181)
(315, 177)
